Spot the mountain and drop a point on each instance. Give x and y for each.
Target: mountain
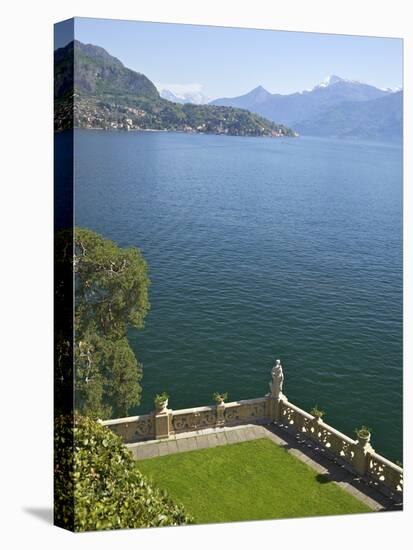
(251, 101)
(108, 95)
(380, 118)
(332, 79)
(197, 98)
(301, 110)
(97, 73)
(292, 108)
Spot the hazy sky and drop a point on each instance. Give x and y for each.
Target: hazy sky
(228, 62)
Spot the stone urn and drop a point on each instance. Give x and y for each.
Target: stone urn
(363, 436)
(161, 403)
(220, 398)
(317, 416)
(363, 439)
(161, 406)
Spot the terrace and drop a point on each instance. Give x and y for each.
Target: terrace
(259, 459)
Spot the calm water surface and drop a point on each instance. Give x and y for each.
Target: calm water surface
(260, 248)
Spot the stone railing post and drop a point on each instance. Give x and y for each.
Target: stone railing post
(276, 395)
(221, 414)
(362, 449)
(163, 421)
(274, 407)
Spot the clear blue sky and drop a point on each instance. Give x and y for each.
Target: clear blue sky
(228, 62)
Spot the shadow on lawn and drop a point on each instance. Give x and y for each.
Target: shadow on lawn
(335, 472)
(323, 478)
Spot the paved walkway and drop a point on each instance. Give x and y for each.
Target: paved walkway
(305, 450)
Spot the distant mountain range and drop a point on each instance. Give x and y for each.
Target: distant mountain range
(334, 108)
(108, 95)
(197, 98)
(380, 118)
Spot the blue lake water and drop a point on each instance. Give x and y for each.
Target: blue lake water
(259, 249)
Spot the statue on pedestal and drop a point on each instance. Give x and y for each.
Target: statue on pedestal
(276, 384)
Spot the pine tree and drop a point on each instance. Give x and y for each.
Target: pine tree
(111, 294)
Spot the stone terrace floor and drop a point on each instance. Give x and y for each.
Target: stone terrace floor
(304, 450)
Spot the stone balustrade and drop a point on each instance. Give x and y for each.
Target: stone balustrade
(386, 475)
(358, 456)
(133, 428)
(300, 421)
(198, 418)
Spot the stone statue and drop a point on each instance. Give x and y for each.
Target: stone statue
(276, 384)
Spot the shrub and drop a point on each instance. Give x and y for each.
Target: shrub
(98, 485)
(160, 398)
(316, 412)
(219, 397)
(363, 432)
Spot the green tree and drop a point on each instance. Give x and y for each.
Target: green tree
(98, 484)
(111, 294)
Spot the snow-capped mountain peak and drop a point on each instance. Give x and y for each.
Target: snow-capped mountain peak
(332, 79)
(392, 90)
(197, 97)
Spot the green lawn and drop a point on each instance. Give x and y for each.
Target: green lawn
(247, 481)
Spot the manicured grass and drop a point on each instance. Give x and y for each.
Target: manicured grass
(247, 481)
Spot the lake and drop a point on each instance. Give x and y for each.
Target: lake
(259, 249)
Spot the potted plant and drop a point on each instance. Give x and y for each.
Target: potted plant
(363, 434)
(219, 397)
(317, 413)
(161, 401)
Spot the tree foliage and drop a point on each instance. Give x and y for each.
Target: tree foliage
(98, 484)
(111, 294)
(111, 285)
